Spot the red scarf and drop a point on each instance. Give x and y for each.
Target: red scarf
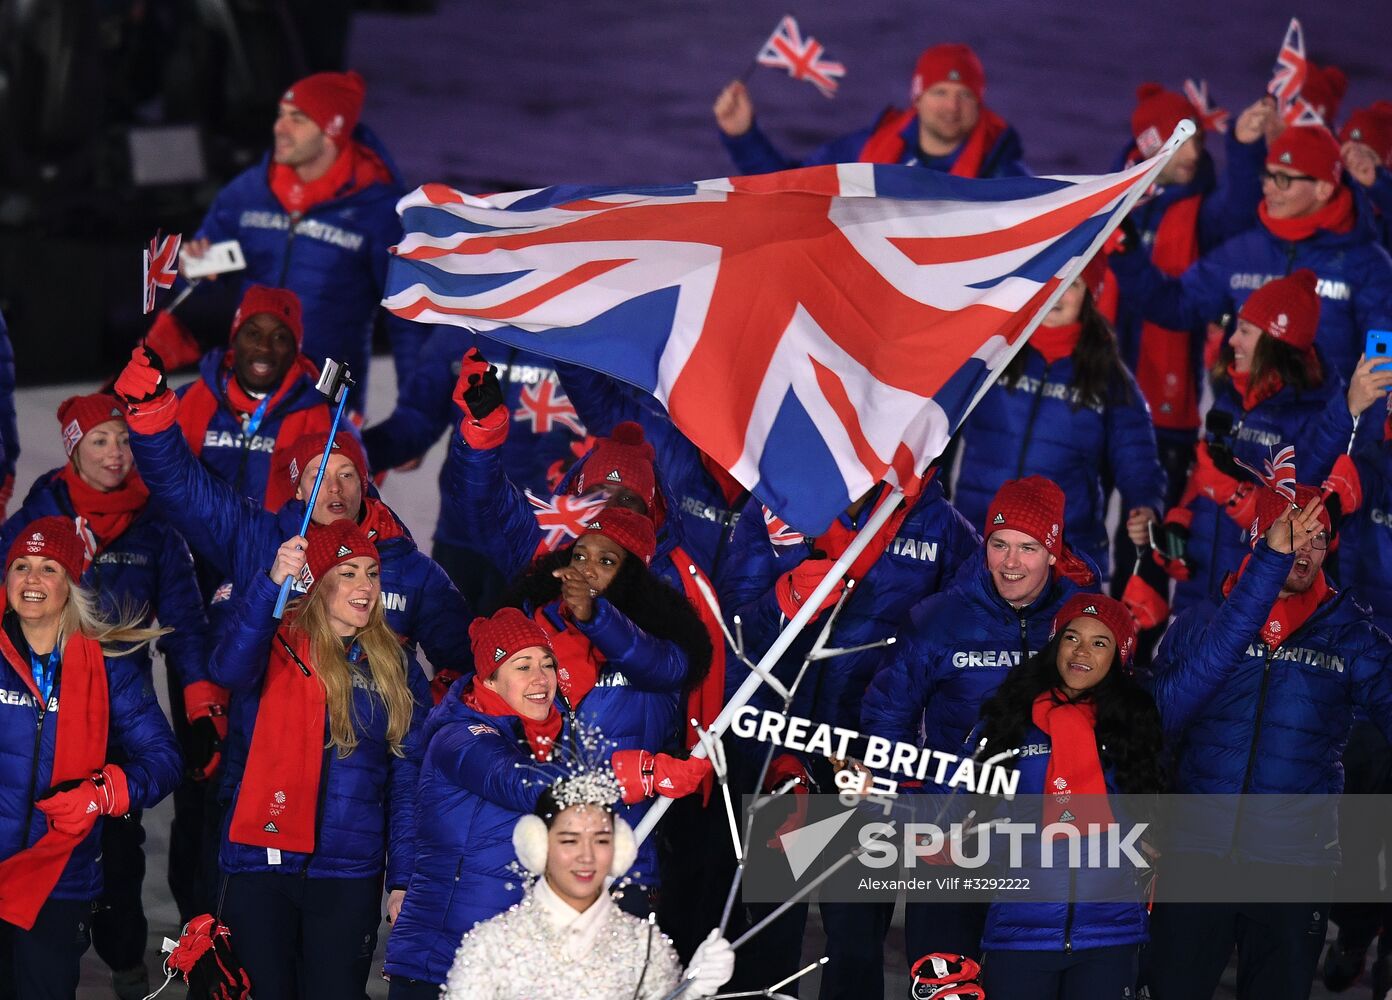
(578, 662)
(1055, 342)
(1253, 395)
(279, 798)
(541, 736)
(1165, 364)
(886, 144)
(1337, 215)
(357, 167)
(244, 404)
(1075, 768)
(27, 878)
(1289, 614)
(836, 539)
(108, 515)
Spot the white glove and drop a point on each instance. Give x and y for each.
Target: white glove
(711, 967)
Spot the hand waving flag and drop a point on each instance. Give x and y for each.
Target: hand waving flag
(814, 331)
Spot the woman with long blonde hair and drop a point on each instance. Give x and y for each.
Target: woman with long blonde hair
(323, 759)
(57, 783)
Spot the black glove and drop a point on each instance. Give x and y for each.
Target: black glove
(204, 749)
(1130, 237)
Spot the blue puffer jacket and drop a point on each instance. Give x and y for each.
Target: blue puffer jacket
(334, 258)
(1316, 422)
(1380, 194)
(1030, 426)
(1354, 271)
(542, 428)
(636, 701)
(148, 566)
(477, 780)
(953, 651)
(366, 818)
(239, 538)
(9, 426)
(1225, 209)
(153, 766)
(707, 517)
(246, 464)
(932, 543)
(1090, 907)
(755, 153)
(1242, 718)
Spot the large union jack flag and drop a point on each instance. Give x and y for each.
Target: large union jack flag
(814, 331)
(1288, 79)
(786, 49)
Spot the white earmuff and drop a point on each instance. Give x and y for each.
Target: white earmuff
(625, 847)
(529, 841)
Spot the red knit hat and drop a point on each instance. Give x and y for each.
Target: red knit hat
(1035, 506)
(952, 62)
(625, 459)
(1110, 613)
(308, 447)
(628, 528)
(79, 414)
(504, 635)
(1157, 113)
(1287, 308)
(333, 101)
(1372, 126)
(331, 544)
(1324, 90)
(1271, 505)
(281, 303)
(1310, 149)
(53, 538)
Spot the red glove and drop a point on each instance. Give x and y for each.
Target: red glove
(205, 707)
(73, 807)
(1144, 599)
(797, 584)
(204, 958)
(1344, 483)
(642, 775)
(6, 494)
(441, 683)
(172, 341)
(479, 396)
(783, 768)
(1242, 506)
(150, 406)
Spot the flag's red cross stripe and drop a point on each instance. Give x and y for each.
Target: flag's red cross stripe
(906, 344)
(802, 62)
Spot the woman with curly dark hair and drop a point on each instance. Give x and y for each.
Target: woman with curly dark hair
(1082, 729)
(629, 648)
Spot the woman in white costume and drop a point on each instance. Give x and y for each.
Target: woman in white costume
(567, 939)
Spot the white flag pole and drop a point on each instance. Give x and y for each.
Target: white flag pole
(1183, 131)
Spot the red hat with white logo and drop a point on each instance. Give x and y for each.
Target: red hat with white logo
(1157, 113)
(50, 538)
(281, 303)
(1110, 613)
(951, 63)
(79, 414)
(1034, 505)
(333, 101)
(494, 640)
(1371, 126)
(627, 528)
(1310, 150)
(1287, 308)
(338, 542)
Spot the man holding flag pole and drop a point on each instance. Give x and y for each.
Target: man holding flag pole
(870, 307)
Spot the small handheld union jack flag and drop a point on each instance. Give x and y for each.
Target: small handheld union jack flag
(562, 517)
(161, 266)
(1211, 117)
(779, 532)
(545, 406)
(1278, 473)
(786, 49)
(1288, 78)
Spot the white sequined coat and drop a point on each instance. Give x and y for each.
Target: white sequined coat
(543, 948)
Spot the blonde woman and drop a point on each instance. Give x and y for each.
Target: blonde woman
(56, 783)
(323, 756)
